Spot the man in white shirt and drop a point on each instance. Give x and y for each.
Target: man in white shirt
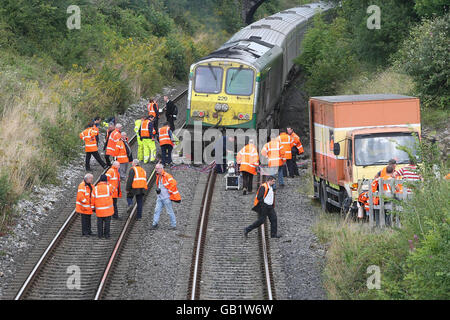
(263, 205)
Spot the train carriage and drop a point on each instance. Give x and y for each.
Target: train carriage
(239, 84)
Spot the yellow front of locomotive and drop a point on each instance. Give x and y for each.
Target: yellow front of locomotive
(222, 94)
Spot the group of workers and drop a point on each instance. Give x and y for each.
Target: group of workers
(407, 173)
(280, 154)
(102, 198)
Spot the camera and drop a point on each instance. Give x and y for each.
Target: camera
(158, 190)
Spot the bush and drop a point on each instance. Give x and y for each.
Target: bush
(426, 58)
(413, 260)
(326, 57)
(7, 199)
(431, 7)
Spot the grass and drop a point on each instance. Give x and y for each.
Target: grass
(413, 260)
(384, 81)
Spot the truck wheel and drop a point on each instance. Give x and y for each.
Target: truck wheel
(323, 197)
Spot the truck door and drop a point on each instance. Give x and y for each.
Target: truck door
(348, 166)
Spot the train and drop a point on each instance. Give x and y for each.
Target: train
(239, 85)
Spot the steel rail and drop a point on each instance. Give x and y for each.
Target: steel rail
(61, 231)
(126, 229)
(120, 242)
(268, 278)
(201, 235)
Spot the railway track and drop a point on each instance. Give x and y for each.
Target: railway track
(75, 267)
(224, 265)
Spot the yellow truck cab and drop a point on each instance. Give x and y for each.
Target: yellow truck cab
(353, 137)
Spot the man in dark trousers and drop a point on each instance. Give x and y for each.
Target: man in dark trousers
(90, 138)
(263, 205)
(136, 186)
(171, 112)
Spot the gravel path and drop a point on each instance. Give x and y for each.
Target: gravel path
(150, 261)
(301, 255)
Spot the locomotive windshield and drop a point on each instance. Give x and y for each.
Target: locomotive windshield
(379, 148)
(208, 79)
(239, 81)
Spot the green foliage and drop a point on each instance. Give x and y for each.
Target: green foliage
(61, 138)
(326, 57)
(376, 45)
(7, 196)
(429, 8)
(413, 260)
(426, 58)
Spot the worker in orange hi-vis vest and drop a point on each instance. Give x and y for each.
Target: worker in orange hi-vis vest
(84, 204)
(152, 108)
(147, 133)
(102, 200)
(113, 138)
(296, 149)
(248, 161)
(287, 143)
(274, 153)
(167, 191)
(264, 206)
(364, 196)
(114, 179)
(166, 139)
(136, 186)
(383, 173)
(90, 138)
(123, 155)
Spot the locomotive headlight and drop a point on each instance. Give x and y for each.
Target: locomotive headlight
(221, 107)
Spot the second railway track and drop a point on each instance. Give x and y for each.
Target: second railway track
(224, 264)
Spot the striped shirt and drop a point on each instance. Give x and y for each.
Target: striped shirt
(408, 173)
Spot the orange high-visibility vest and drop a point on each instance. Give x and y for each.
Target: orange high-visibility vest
(114, 179)
(170, 184)
(286, 143)
(248, 159)
(151, 107)
(103, 200)
(164, 137)
(121, 152)
(84, 199)
(274, 152)
(88, 136)
(145, 129)
(264, 185)
(140, 178)
(114, 137)
(297, 142)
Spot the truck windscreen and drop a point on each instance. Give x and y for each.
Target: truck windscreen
(377, 149)
(208, 79)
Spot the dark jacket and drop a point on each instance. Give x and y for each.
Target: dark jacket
(130, 191)
(260, 197)
(170, 108)
(108, 133)
(129, 153)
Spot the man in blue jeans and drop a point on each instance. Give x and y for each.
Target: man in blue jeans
(166, 190)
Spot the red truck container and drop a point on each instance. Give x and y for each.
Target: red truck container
(353, 137)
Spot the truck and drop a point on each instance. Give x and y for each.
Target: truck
(353, 137)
